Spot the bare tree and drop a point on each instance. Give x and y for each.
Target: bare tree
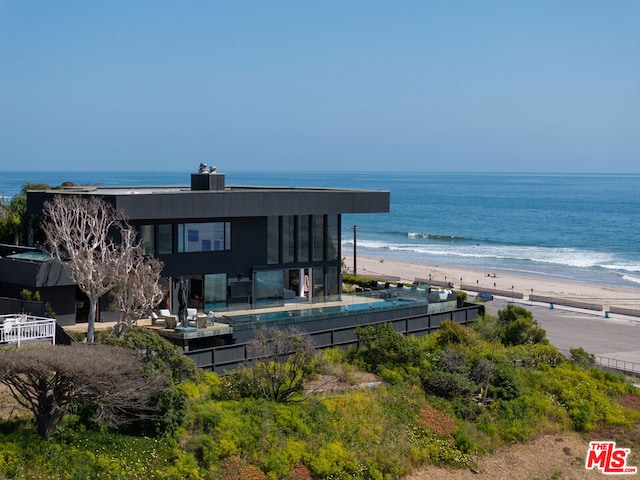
(51, 380)
(79, 233)
(137, 292)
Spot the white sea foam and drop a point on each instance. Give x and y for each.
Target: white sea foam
(632, 279)
(627, 267)
(566, 257)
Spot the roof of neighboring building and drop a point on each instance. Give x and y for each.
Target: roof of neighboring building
(33, 256)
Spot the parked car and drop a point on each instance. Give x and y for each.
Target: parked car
(484, 296)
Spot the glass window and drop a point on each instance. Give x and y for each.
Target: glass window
(165, 239)
(181, 237)
(273, 240)
(318, 282)
(333, 282)
(303, 238)
(332, 237)
(318, 237)
(288, 237)
(147, 239)
(227, 235)
(204, 237)
(269, 287)
(215, 291)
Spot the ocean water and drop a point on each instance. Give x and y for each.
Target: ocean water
(574, 227)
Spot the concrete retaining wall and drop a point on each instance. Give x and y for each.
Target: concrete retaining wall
(625, 311)
(566, 302)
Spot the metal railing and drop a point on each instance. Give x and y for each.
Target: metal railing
(618, 365)
(608, 363)
(19, 329)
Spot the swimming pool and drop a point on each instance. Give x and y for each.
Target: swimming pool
(299, 315)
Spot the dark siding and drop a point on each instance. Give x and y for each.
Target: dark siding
(248, 240)
(206, 204)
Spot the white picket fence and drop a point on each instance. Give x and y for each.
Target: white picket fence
(16, 329)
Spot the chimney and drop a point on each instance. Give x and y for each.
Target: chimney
(207, 179)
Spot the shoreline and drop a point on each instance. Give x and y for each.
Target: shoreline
(517, 283)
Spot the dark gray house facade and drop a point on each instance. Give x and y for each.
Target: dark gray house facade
(232, 246)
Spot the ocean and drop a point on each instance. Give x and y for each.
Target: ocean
(572, 227)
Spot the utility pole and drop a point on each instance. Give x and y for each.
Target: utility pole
(355, 229)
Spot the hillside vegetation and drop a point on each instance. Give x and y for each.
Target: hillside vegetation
(447, 399)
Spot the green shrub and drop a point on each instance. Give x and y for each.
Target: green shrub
(383, 346)
(48, 310)
(464, 443)
(588, 400)
(160, 355)
(284, 361)
(204, 417)
(448, 385)
(451, 333)
(505, 383)
(535, 355)
(209, 386)
(331, 459)
(519, 327)
(581, 357)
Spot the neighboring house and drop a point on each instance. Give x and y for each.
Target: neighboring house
(232, 246)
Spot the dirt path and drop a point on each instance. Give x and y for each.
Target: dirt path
(549, 457)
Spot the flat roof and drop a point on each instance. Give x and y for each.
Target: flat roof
(181, 189)
(175, 202)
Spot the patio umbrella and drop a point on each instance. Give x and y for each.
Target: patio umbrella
(182, 304)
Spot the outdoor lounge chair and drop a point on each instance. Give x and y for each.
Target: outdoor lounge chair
(164, 315)
(193, 320)
(9, 335)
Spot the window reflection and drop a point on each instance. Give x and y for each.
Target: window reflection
(204, 237)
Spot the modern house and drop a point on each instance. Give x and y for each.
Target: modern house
(233, 247)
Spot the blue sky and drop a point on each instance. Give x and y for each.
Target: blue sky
(500, 86)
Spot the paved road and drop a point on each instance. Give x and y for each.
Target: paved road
(616, 337)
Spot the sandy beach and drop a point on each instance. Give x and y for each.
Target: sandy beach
(408, 271)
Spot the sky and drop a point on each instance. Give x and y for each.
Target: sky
(349, 85)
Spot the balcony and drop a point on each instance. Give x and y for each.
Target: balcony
(20, 329)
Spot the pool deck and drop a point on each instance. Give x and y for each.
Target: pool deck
(220, 328)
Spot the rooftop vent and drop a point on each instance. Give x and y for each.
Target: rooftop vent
(207, 178)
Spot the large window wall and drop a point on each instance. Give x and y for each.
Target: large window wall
(298, 247)
(302, 238)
